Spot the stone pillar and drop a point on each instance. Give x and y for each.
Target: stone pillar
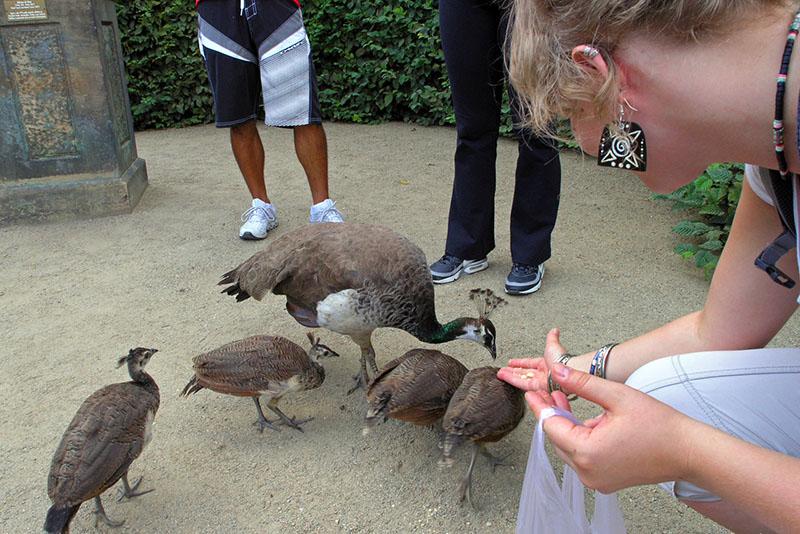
(67, 148)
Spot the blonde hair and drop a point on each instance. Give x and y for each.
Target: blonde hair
(544, 32)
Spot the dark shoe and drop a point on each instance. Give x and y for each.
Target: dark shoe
(524, 279)
(449, 268)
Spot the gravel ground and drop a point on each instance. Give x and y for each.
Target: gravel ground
(77, 295)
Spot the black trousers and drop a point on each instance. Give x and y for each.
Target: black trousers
(473, 35)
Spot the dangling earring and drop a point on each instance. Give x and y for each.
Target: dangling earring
(626, 147)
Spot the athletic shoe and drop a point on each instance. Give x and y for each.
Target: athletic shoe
(524, 279)
(324, 212)
(258, 220)
(449, 268)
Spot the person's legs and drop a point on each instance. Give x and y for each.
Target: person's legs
(249, 154)
(474, 65)
(290, 94)
(750, 394)
(311, 147)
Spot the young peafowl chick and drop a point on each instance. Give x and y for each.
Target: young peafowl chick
(268, 366)
(353, 278)
(109, 431)
(483, 410)
(415, 387)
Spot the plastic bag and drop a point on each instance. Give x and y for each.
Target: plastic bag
(546, 507)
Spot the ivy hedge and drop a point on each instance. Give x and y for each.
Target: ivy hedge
(375, 62)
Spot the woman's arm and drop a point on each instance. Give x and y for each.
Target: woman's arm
(639, 440)
(744, 308)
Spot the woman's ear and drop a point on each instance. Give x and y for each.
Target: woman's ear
(590, 59)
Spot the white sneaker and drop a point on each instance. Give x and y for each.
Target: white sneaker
(258, 220)
(325, 212)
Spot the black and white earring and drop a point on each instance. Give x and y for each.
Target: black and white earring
(624, 147)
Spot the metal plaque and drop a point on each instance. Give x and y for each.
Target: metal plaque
(25, 10)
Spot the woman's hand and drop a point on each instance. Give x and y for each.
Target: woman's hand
(530, 374)
(637, 440)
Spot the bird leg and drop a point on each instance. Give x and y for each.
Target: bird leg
(291, 422)
(494, 461)
(263, 422)
(361, 380)
(100, 515)
(371, 358)
(465, 487)
(129, 492)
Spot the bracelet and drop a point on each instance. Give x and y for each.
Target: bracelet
(598, 366)
(552, 386)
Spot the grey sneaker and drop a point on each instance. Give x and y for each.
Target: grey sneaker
(449, 268)
(524, 279)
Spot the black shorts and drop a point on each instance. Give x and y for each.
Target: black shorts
(262, 49)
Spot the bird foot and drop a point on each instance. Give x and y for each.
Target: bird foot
(129, 491)
(100, 515)
(358, 383)
(293, 422)
(262, 423)
(495, 461)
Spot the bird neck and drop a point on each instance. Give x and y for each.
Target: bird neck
(139, 375)
(445, 332)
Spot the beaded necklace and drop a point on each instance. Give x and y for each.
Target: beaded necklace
(777, 124)
(783, 182)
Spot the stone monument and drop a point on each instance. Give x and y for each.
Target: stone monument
(67, 148)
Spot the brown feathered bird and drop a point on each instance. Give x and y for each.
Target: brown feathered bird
(109, 431)
(268, 366)
(353, 278)
(483, 410)
(416, 388)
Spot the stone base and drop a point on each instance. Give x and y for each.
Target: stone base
(59, 198)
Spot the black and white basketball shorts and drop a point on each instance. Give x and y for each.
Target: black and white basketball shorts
(254, 47)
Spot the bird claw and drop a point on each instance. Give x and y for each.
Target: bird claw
(129, 491)
(358, 383)
(495, 461)
(264, 423)
(293, 422)
(100, 515)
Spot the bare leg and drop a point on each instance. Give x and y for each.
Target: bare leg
(100, 515)
(263, 422)
(728, 516)
(285, 419)
(465, 488)
(311, 147)
(249, 154)
(129, 491)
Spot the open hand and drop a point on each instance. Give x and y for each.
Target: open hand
(530, 374)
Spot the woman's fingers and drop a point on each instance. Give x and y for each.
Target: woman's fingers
(561, 400)
(603, 392)
(526, 363)
(522, 378)
(553, 348)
